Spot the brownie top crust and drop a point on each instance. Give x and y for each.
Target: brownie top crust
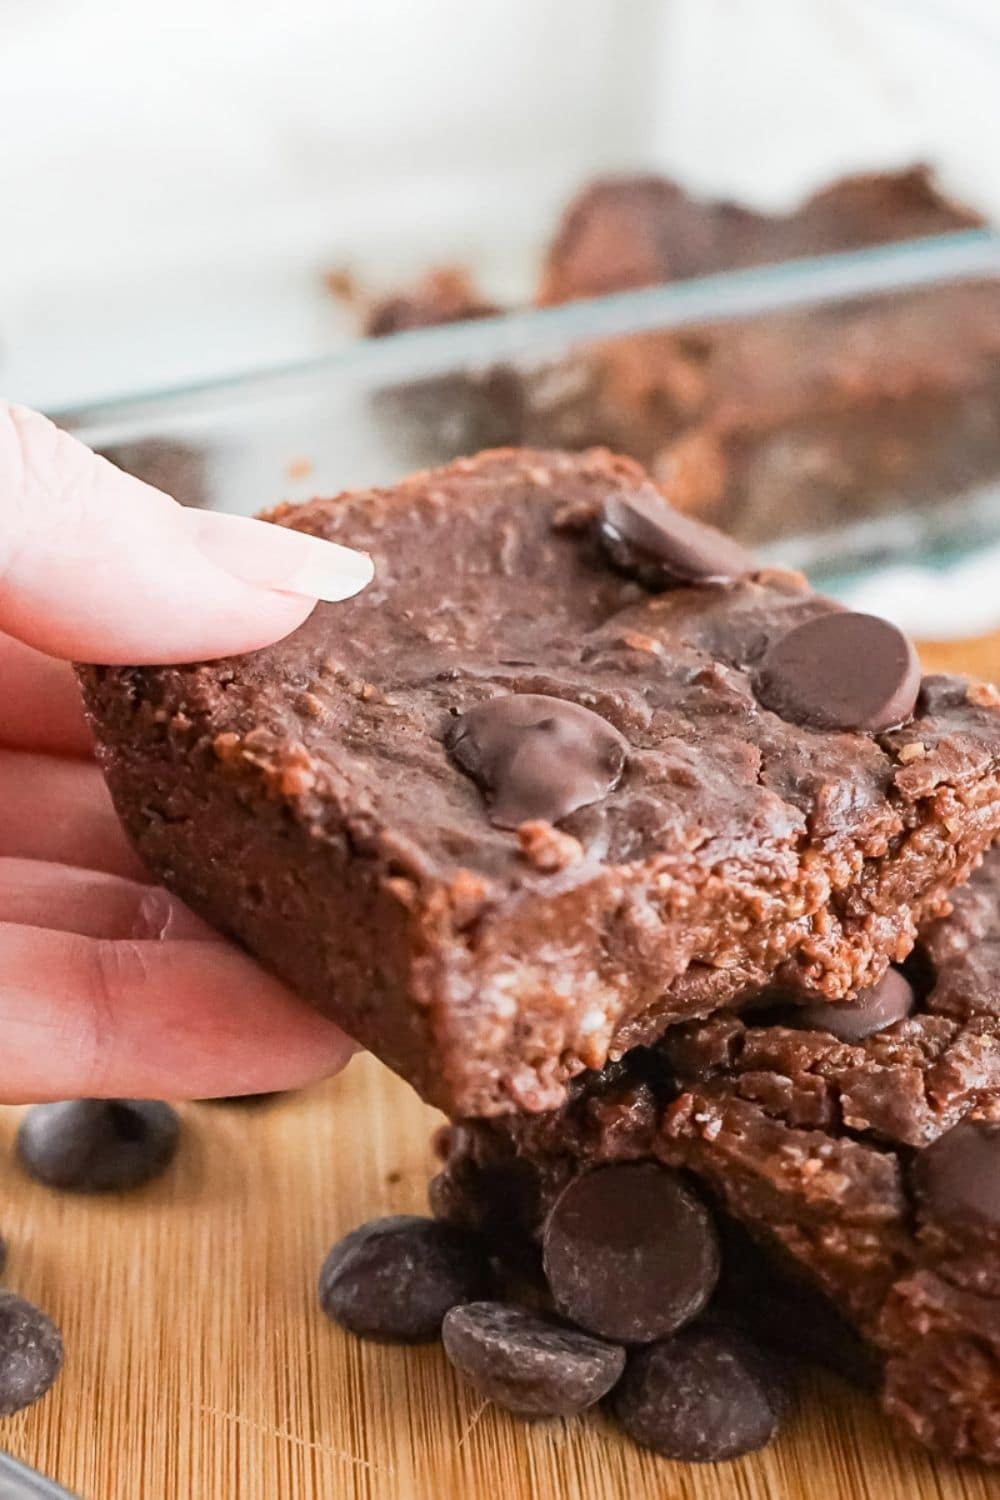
(332, 800)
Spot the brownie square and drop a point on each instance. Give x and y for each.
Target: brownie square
(314, 799)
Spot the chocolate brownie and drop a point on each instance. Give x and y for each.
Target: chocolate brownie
(627, 232)
(522, 803)
(769, 427)
(795, 422)
(868, 1170)
(786, 424)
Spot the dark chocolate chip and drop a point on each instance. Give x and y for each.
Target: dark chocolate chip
(394, 1279)
(704, 1396)
(537, 757)
(644, 534)
(959, 1175)
(871, 1010)
(98, 1145)
(31, 1353)
(841, 671)
(630, 1252)
(529, 1365)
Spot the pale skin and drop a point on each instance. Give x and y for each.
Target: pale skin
(109, 986)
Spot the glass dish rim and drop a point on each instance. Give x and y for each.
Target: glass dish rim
(539, 333)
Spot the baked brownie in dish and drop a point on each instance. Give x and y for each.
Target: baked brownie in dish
(571, 769)
(774, 426)
(862, 1155)
(622, 233)
(789, 423)
(795, 422)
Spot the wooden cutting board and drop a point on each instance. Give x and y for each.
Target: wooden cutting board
(198, 1366)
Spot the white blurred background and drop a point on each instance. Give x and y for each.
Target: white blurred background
(175, 178)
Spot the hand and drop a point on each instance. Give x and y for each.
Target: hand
(109, 985)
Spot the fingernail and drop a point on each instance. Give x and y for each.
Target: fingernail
(276, 557)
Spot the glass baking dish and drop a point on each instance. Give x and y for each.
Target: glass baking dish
(184, 188)
(379, 408)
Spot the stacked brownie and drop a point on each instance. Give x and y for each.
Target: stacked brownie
(571, 769)
(614, 845)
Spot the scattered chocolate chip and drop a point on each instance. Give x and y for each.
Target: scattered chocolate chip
(98, 1145)
(841, 671)
(959, 1174)
(395, 1278)
(871, 1010)
(630, 1253)
(644, 534)
(526, 1364)
(537, 757)
(31, 1353)
(704, 1396)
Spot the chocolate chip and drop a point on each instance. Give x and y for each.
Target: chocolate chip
(704, 1396)
(630, 1253)
(529, 1365)
(871, 1010)
(395, 1278)
(959, 1175)
(98, 1145)
(841, 671)
(537, 757)
(645, 535)
(31, 1353)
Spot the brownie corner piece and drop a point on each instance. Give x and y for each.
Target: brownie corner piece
(554, 781)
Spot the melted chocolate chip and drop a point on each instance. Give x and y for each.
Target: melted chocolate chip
(841, 671)
(529, 1365)
(705, 1396)
(395, 1278)
(871, 1010)
(959, 1175)
(645, 535)
(31, 1353)
(537, 757)
(630, 1253)
(98, 1145)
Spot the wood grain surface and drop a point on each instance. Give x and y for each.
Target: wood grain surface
(198, 1365)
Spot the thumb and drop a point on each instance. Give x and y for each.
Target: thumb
(97, 566)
